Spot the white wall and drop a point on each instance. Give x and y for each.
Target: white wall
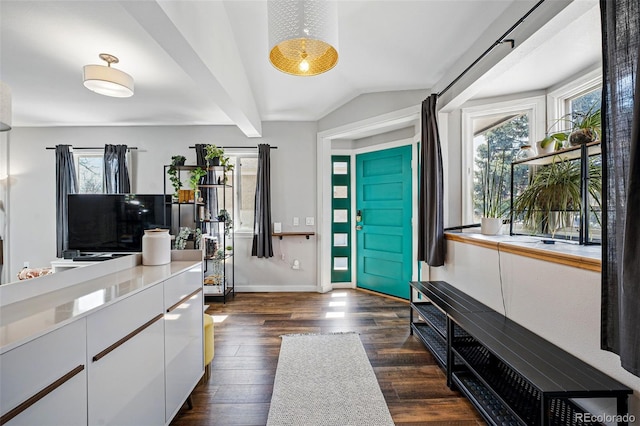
(559, 303)
(32, 189)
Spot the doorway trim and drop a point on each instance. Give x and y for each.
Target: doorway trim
(360, 129)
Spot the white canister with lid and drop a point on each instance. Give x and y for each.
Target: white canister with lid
(156, 247)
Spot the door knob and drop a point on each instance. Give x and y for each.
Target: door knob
(359, 228)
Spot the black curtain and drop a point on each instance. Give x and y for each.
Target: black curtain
(620, 328)
(66, 183)
(431, 243)
(116, 174)
(262, 244)
(209, 196)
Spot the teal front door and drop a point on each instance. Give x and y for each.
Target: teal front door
(383, 221)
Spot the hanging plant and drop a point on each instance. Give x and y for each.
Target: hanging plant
(174, 178)
(195, 176)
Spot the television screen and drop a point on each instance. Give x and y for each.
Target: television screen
(114, 222)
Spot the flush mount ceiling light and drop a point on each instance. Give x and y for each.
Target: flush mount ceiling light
(5, 107)
(303, 36)
(106, 80)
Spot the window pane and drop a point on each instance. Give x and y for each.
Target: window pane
(340, 240)
(340, 192)
(90, 174)
(247, 170)
(494, 149)
(340, 216)
(340, 263)
(340, 168)
(582, 104)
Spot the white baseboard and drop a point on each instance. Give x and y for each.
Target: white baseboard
(275, 288)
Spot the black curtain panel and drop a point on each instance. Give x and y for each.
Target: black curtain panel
(262, 244)
(620, 328)
(431, 243)
(209, 197)
(116, 174)
(66, 183)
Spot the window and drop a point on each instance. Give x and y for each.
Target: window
(245, 174)
(583, 103)
(494, 150)
(89, 166)
(492, 136)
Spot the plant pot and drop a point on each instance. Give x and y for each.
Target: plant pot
(581, 136)
(547, 149)
(491, 225)
(215, 161)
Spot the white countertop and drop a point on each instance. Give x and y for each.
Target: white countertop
(29, 318)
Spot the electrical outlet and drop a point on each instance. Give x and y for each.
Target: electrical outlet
(309, 221)
(296, 221)
(282, 256)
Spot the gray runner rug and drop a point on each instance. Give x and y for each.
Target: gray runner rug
(326, 379)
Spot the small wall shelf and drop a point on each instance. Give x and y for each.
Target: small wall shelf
(293, 234)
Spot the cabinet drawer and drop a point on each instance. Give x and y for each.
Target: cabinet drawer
(110, 325)
(45, 373)
(179, 287)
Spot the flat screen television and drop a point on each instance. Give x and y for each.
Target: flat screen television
(114, 222)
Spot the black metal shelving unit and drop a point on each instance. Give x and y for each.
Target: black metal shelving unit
(216, 234)
(580, 153)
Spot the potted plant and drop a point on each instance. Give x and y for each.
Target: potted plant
(584, 127)
(547, 203)
(225, 217)
(194, 180)
(174, 178)
(494, 186)
(213, 155)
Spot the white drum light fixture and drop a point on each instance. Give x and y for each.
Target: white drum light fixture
(303, 36)
(5, 107)
(106, 80)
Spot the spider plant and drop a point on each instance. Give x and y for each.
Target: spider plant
(584, 127)
(556, 188)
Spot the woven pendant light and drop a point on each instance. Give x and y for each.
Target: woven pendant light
(303, 36)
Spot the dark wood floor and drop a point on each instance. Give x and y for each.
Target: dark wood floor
(247, 343)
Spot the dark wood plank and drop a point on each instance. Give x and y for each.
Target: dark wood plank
(247, 344)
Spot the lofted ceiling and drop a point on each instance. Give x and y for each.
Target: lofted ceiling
(205, 62)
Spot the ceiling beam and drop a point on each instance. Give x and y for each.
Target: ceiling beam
(199, 38)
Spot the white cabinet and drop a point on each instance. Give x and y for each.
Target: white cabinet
(184, 358)
(43, 376)
(125, 346)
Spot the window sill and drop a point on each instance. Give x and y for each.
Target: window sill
(564, 253)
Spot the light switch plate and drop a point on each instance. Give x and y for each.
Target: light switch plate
(309, 221)
(296, 221)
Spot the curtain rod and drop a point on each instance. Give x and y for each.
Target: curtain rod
(500, 40)
(89, 147)
(238, 147)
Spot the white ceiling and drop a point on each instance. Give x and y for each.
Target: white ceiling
(206, 62)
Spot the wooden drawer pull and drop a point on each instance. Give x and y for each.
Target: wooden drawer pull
(37, 397)
(129, 336)
(184, 299)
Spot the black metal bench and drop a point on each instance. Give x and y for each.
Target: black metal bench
(510, 374)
